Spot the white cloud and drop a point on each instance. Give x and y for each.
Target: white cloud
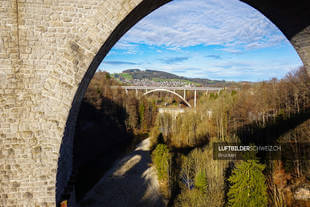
(184, 23)
(129, 48)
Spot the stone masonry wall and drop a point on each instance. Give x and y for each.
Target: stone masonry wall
(46, 47)
(301, 43)
(49, 50)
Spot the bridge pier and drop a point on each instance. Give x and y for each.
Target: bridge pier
(195, 99)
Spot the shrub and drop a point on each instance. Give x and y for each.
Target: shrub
(196, 198)
(201, 182)
(161, 159)
(191, 198)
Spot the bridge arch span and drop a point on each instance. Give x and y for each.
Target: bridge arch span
(166, 90)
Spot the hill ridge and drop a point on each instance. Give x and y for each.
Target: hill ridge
(129, 75)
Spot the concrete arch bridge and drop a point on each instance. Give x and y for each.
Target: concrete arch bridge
(151, 89)
(183, 98)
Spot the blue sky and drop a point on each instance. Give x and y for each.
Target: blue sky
(215, 39)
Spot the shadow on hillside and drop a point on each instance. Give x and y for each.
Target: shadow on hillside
(126, 184)
(271, 132)
(100, 138)
(273, 129)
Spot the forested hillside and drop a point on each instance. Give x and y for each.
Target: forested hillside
(275, 111)
(269, 112)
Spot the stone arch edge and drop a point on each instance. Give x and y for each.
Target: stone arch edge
(65, 174)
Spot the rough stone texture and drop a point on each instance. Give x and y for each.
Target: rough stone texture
(301, 42)
(49, 50)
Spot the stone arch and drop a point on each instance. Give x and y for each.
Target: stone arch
(49, 51)
(137, 12)
(166, 90)
(295, 27)
(296, 33)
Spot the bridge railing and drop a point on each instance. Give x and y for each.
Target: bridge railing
(170, 88)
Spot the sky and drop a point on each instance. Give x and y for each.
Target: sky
(214, 39)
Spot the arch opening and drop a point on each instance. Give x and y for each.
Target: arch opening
(165, 90)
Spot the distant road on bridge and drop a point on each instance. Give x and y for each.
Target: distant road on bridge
(170, 88)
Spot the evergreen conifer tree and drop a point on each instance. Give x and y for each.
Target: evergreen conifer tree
(248, 187)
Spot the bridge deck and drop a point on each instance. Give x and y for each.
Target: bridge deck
(170, 88)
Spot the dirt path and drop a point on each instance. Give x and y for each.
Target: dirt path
(131, 182)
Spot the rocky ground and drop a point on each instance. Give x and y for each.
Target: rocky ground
(131, 182)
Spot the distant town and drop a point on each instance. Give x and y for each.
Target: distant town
(163, 83)
(139, 77)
